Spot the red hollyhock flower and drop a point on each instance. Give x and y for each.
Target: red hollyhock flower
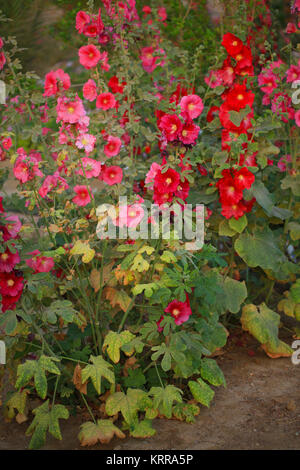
(82, 197)
(8, 261)
(1, 207)
(106, 101)
(189, 133)
(212, 113)
(232, 44)
(243, 178)
(162, 198)
(111, 174)
(243, 59)
(166, 182)
(171, 126)
(40, 264)
(180, 311)
(10, 284)
(239, 97)
(115, 85)
(82, 19)
(235, 210)
(9, 302)
(182, 190)
(227, 73)
(229, 193)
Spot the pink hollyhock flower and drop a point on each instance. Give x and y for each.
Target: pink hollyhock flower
(112, 148)
(214, 79)
(86, 142)
(49, 183)
(106, 101)
(166, 182)
(13, 226)
(1, 43)
(55, 80)
(2, 60)
(69, 110)
(6, 143)
(291, 28)
(104, 59)
(297, 118)
(293, 74)
(83, 196)
(10, 284)
(8, 261)
(189, 133)
(111, 174)
(268, 82)
(82, 19)
(180, 311)
(40, 263)
(282, 103)
(90, 90)
(171, 126)
(130, 215)
(149, 62)
(1, 206)
(91, 30)
(162, 14)
(155, 167)
(91, 168)
(89, 56)
(191, 106)
(22, 172)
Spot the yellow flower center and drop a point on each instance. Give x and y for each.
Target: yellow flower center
(175, 312)
(4, 256)
(10, 282)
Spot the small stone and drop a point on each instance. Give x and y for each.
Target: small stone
(291, 406)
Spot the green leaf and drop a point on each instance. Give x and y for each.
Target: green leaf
(294, 229)
(143, 429)
(95, 371)
(293, 183)
(163, 398)
(225, 230)
(211, 372)
(238, 225)
(17, 401)
(201, 391)
(128, 404)
(113, 343)
(235, 294)
(265, 199)
(103, 432)
(135, 379)
(44, 420)
(259, 249)
(186, 412)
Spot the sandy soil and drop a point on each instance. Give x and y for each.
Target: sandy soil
(259, 409)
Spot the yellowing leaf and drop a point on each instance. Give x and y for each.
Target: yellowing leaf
(102, 432)
(148, 249)
(95, 279)
(117, 297)
(114, 341)
(77, 380)
(263, 324)
(95, 371)
(140, 264)
(82, 248)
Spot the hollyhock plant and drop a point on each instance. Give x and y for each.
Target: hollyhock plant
(8, 261)
(166, 182)
(90, 90)
(69, 110)
(89, 168)
(112, 148)
(82, 197)
(111, 174)
(180, 311)
(40, 263)
(171, 126)
(10, 284)
(89, 56)
(106, 101)
(191, 106)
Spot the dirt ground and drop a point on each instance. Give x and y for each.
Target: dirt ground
(259, 409)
